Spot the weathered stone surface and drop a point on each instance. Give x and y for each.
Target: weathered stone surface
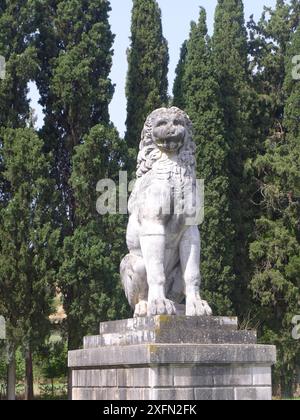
(96, 378)
(172, 354)
(214, 394)
(95, 394)
(172, 336)
(145, 377)
(232, 376)
(174, 370)
(193, 376)
(174, 394)
(170, 329)
(262, 375)
(174, 376)
(253, 394)
(165, 323)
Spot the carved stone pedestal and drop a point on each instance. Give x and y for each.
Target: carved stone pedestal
(172, 358)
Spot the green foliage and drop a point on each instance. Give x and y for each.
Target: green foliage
(28, 239)
(75, 53)
(178, 88)
(276, 250)
(54, 360)
(100, 156)
(16, 26)
(147, 84)
(74, 44)
(91, 256)
(20, 366)
(238, 102)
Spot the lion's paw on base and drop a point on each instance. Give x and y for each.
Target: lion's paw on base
(161, 307)
(195, 306)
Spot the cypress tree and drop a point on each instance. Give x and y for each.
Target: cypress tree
(147, 84)
(269, 40)
(28, 242)
(276, 251)
(16, 29)
(75, 54)
(20, 59)
(178, 88)
(231, 65)
(197, 89)
(92, 254)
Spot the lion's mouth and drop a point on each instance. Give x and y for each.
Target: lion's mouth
(170, 144)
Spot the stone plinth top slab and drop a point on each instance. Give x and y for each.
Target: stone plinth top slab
(164, 354)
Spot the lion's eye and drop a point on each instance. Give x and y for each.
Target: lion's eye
(177, 122)
(161, 123)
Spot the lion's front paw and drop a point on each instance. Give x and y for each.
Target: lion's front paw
(161, 306)
(195, 306)
(141, 309)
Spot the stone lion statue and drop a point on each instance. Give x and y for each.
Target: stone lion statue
(162, 267)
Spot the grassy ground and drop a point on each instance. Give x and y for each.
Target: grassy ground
(42, 391)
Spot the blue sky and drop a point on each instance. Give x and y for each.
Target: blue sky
(177, 16)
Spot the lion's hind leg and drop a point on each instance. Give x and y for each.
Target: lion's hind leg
(134, 281)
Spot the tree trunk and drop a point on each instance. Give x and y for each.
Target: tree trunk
(29, 395)
(287, 387)
(11, 374)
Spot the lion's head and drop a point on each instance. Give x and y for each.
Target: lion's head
(167, 130)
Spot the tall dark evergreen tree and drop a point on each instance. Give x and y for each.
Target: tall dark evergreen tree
(276, 250)
(269, 40)
(75, 52)
(232, 68)
(75, 55)
(197, 90)
(147, 83)
(178, 88)
(90, 266)
(28, 243)
(16, 29)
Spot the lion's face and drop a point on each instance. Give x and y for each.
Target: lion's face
(166, 130)
(169, 130)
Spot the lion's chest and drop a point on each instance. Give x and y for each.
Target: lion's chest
(166, 193)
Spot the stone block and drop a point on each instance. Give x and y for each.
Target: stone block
(214, 394)
(146, 377)
(253, 394)
(193, 376)
(262, 375)
(232, 376)
(94, 378)
(172, 394)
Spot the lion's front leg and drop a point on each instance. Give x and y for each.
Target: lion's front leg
(153, 240)
(190, 262)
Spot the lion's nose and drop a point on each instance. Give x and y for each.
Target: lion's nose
(170, 131)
